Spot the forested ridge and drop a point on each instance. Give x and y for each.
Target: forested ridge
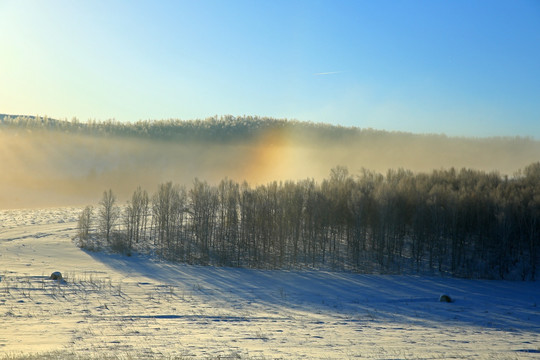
(217, 128)
(221, 128)
(464, 223)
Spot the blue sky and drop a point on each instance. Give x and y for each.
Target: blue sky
(466, 67)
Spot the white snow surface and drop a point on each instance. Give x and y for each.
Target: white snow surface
(139, 307)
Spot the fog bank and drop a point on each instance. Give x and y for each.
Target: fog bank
(44, 168)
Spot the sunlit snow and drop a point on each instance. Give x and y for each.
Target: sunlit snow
(135, 306)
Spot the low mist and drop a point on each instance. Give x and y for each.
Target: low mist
(52, 168)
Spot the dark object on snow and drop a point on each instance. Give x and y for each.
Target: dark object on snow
(57, 275)
(445, 298)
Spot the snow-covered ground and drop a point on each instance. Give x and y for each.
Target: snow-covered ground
(136, 307)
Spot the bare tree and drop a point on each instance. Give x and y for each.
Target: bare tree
(135, 216)
(203, 205)
(168, 208)
(109, 213)
(83, 225)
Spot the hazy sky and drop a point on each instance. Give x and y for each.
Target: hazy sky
(456, 67)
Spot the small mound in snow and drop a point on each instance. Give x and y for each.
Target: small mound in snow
(57, 275)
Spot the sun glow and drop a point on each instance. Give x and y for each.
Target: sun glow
(269, 159)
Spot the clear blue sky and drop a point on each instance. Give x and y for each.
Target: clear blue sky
(461, 67)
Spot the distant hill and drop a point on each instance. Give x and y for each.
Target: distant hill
(220, 129)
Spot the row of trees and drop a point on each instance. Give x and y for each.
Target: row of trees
(466, 223)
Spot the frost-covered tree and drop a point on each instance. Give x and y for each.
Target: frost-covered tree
(84, 224)
(109, 213)
(203, 206)
(136, 216)
(168, 209)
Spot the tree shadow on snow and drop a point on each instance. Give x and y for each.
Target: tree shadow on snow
(502, 305)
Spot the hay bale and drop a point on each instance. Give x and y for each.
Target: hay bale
(57, 275)
(445, 298)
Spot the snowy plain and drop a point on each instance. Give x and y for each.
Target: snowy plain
(136, 307)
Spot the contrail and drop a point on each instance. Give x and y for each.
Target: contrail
(328, 73)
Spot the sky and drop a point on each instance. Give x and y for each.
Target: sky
(462, 67)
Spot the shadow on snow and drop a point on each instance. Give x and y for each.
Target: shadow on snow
(352, 297)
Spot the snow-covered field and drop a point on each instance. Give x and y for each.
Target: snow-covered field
(134, 307)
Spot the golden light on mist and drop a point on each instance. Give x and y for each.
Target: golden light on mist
(269, 158)
(52, 168)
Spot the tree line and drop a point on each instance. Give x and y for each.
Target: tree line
(227, 128)
(223, 128)
(464, 223)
